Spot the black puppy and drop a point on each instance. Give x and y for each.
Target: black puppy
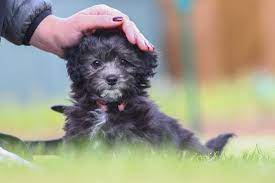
(109, 81)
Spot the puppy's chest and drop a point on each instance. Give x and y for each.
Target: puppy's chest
(125, 128)
(123, 123)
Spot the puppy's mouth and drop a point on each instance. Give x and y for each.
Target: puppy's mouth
(111, 106)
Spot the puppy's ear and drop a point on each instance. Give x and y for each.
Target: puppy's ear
(73, 67)
(74, 72)
(73, 54)
(150, 62)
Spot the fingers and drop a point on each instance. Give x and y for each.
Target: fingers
(103, 9)
(91, 22)
(129, 32)
(130, 29)
(135, 36)
(142, 42)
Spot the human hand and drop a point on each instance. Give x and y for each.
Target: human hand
(54, 34)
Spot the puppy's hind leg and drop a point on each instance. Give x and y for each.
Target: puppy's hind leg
(213, 147)
(217, 144)
(186, 140)
(195, 146)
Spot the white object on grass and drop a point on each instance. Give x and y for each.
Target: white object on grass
(6, 155)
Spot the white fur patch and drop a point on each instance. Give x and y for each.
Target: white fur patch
(111, 95)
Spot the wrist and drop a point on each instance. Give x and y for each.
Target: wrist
(35, 22)
(46, 36)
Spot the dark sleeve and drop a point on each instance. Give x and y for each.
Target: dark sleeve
(2, 12)
(22, 17)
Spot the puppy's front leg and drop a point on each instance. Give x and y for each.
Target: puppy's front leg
(99, 119)
(84, 128)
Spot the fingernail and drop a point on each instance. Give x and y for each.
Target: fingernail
(152, 46)
(147, 45)
(117, 19)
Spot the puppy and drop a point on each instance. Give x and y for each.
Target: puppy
(110, 78)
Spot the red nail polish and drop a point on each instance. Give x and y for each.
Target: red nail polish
(117, 19)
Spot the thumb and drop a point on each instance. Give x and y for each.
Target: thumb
(89, 22)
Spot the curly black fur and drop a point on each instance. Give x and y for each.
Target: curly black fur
(109, 81)
(110, 102)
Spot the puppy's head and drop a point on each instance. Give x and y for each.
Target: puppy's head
(107, 66)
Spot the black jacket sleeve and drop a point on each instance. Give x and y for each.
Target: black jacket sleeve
(21, 18)
(2, 12)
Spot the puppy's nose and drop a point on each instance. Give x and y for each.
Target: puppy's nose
(111, 79)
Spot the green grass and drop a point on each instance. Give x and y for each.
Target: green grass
(250, 159)
(31, 120)
(254, 165)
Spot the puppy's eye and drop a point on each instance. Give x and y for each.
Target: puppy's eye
(96, 64)
(125, 62)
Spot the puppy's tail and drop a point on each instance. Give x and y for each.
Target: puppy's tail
(217, 144)
(59, 108)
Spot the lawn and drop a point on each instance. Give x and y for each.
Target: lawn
(254, 164)
(246, 159)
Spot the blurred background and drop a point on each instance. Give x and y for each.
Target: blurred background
(216, 71)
